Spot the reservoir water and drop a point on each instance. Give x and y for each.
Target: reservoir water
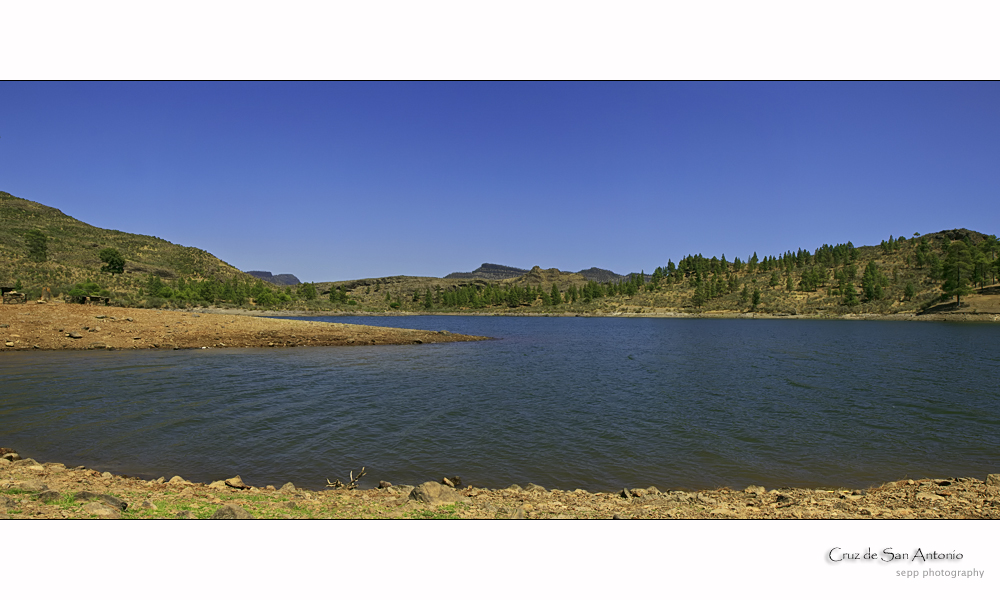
(595, 403)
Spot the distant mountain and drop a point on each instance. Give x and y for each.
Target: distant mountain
(492, 271)
(489, 271)
(600, 275)
(283, 279)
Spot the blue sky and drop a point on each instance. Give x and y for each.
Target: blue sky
(334, 181)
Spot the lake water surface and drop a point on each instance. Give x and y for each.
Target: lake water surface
(597, 403)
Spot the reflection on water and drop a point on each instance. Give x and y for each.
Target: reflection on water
(562, 402)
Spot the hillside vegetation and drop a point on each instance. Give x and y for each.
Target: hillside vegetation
(40, 247)
(948, 270)
(953, 270)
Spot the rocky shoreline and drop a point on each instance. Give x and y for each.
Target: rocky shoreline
(33, 490)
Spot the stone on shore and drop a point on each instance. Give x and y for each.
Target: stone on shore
(288, 488)
(231, 511)
(993, 480)
(111, 501)
(237, 482)
(433, 493)
(49, 496)
(32, 486)
(100, 509)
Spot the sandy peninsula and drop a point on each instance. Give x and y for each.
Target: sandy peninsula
(59, 326)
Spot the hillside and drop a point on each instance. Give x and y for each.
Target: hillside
(489, 271)
(899, 276)
(72, 257)
(40, 247)
(283, 279)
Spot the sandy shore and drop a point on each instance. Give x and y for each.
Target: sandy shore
(29, 490)
(59, 326)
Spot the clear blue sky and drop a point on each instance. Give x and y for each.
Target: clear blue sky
(334, 181)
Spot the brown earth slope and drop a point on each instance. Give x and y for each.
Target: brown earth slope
(82, 327)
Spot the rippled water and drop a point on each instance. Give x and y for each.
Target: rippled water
(562, 402)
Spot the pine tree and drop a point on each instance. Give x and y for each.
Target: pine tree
(850, 295)
(873, 282)
(556, 296)
(957, 271)
(699, 295)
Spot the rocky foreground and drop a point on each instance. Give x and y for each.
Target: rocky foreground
(59, 326)
(30, 490)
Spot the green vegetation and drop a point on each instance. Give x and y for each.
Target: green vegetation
(38, 247)
(113, 260)
(42, 247)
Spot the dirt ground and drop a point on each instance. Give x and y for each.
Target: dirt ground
(29, 490)
(59, 326)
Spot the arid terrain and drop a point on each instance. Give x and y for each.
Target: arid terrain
(59, 326)
(29, 490)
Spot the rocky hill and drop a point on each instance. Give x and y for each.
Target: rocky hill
(489, 271)
(71, 255)
(600, 275)
(283, 279)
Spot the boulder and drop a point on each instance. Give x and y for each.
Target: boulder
(178, 480)
(100, 509)
(32, 486)
(433, 493)
(111, 501)
(220, 484)
(510, 513)
(384, 485)
(288, 488)
(514, 488)
(755, 489)
(27, 462)
(184, 514)
(11, 456)
(147, 505)
(993, 480)
(237, 482)
(231, 511)
(49, 496)
(533, 487)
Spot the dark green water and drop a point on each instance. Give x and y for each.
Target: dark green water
(562, 402)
